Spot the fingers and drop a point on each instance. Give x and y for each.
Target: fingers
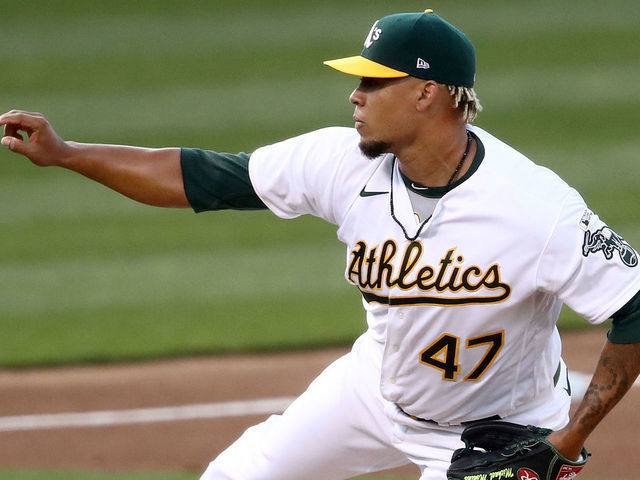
(13, 122)
(41, 142)
(15, 144)
(21, 112)
(11, 130)
(21, 120)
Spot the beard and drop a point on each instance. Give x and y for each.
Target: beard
(373, 148)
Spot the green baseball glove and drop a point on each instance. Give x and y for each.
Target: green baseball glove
(496, 450)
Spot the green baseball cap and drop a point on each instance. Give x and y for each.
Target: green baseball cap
(422, 45)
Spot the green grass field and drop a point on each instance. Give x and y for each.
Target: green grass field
(86, 275)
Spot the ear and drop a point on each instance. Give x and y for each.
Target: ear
(427, 95)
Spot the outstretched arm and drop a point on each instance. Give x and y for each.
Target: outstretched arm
(151, 176)
(617, 369)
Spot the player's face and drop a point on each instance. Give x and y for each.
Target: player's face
(382, 115)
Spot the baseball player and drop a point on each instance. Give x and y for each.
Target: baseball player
(463, 249)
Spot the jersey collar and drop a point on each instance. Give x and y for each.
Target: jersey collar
(401, 209)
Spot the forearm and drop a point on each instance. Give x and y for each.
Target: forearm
(151, 176)
(617, 369)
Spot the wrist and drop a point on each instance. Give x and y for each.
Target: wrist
(569, 443)
(70, 154)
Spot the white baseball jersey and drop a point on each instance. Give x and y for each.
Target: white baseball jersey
(464, 305)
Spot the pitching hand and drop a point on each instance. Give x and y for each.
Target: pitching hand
(42, 145)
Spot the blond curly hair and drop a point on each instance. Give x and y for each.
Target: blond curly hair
(466, 100)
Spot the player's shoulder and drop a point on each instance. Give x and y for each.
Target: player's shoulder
(319, 172)
(328, 139)
(515, 174)
(331, 151)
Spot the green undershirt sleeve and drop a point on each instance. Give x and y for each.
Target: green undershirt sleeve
(218, 181)
(625, 327)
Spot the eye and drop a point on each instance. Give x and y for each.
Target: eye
(368, 84)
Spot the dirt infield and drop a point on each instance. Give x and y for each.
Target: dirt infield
(188, 445)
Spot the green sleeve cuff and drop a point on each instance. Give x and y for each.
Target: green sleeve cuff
(625, 327)
(218, 181)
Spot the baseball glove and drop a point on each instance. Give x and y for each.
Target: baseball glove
(496, 450)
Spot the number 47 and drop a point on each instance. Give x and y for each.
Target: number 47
(443, 354)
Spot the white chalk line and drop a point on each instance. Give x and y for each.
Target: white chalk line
(144, 415)
(263, 406)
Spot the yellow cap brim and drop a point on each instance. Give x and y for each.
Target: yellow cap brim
(363, 67)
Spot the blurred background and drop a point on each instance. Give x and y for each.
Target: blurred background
(89, 276)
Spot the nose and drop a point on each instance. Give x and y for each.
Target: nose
(357, 97)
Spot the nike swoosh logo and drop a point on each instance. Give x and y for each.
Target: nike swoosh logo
(364, 193)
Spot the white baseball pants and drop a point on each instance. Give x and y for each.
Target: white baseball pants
(341, 427)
